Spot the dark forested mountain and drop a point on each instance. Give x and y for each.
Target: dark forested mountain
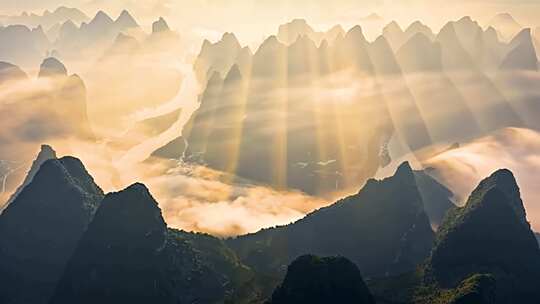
(117, 258)
(44, 155)
(132, 257)
(521, 53)
(383, 229)
(41, 227)
(490, 235)
(314, 280)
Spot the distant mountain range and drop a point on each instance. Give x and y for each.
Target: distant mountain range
(66, 32)
(48, 19)
(247, 126)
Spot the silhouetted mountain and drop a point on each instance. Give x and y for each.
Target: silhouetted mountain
(22, 46)
(134, 258)
(454, 55)
(125, 21)
(10, 72)
(94, 37)
(44, 155)
(383, 229)
(418, 27)
(311, 279)
(217, 57)
(522, 54)
(121, 250)
(52, 67)
(394, 35)
(490, 235)
(41, 227)
(160, 26)
(47, 19)
(420, 54)
(290, 32)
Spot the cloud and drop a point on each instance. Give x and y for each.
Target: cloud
(515, 149)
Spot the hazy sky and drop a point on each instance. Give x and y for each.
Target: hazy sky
(231, 14)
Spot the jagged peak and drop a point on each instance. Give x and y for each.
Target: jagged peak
(47, 150)
(465, 19)
(101, 17)
(271, 42)
(381, 46)
(125, 19)
(525, 35)
(504, 181)
(404, 169)
(135, 206)
(230, 39)
(234, 74)
(68, 25)
(336, 29)
(393, 27)
(160, 26)
(491, 31)
(356, 33)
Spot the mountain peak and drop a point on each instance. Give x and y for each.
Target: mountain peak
(129, 233)
(522, 55)
(41, 227)
(356, 33)
(126, 20)
(101, 18)
(160, 26)
(230, 40)
(505, 181)
(51, 67)
(9, 72)
(492, 221)
(392, 28)
(46, 153)
(404, 170)
(135, 214)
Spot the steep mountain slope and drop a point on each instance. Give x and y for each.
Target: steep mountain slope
(489, 235)
(133, 258)
(383, 229)
(41, 227)
(44, 155)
